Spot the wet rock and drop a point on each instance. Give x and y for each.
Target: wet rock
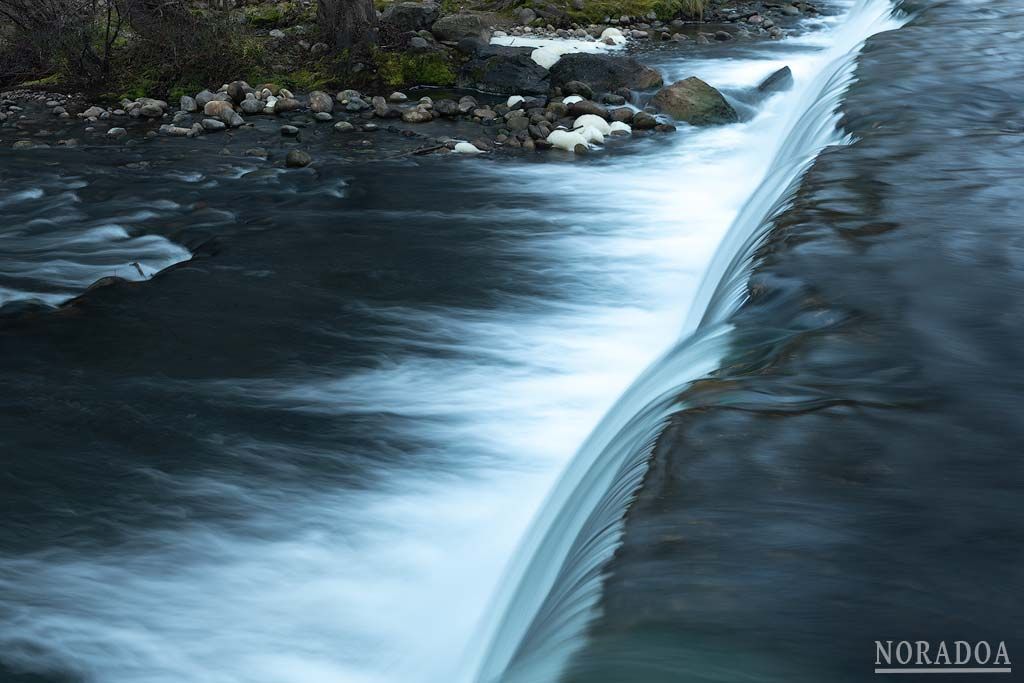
(789, 11)
(320, 101)
(188, 104)
(323, 117)
(604, 72)
(417, 116)
(587, 107)
(504, 73)
(448, 108)
(237, 90)
(251, 106)
(694, 101)
(455, 27)
(296, 158)
(578, 88)
(397, 97)
(779, 81)
(405, 17)
(383, 110)
(117, 132)
(205, 96)
(344, 127)
(259, 152)
(213, 125)
(723, 36)
(220, 110)
(644, 121)
(286, 104)
(289, 131)
(621, 114)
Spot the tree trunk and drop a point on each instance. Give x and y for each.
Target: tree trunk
(348, 24)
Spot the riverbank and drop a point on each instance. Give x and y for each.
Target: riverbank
(530, 87)
(852, 473)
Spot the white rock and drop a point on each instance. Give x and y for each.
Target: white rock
(514, 100)
(467, 148)
(547, 57)
(593, 121)
(567, 140)
(612, 36)
(620, 127)
(591, 134)
(571, 99)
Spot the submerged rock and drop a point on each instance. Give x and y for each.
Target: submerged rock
(777, 82)
(694, 101)
(296, 158)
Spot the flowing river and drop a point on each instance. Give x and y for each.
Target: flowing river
(383, 420)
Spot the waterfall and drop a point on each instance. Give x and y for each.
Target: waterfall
(552, 585)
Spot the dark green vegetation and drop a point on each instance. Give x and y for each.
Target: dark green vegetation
(109, 49)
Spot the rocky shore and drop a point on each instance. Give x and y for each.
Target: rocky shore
(538, 84)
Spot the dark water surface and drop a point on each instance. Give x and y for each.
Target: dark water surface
(854, 473)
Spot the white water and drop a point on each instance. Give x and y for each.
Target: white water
(50, 250)
(408, 579)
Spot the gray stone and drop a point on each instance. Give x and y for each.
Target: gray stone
(296, 158)
(213, 125)
(323, 116)
(344, 127)
(455, 27)
(406, 17)
(250, 107)
(289, 131)
(117, 132)
(604, 72)
(320, 101)
(694, 101)
(188, 104)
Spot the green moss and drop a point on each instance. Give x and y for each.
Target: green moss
(264, 16)
(596, 10)
(398, 69)
(52, 79)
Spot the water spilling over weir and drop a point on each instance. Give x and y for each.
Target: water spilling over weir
(550, 591)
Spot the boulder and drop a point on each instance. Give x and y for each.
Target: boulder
(455, 27)
(777, 82)
(525, 15)
(578, 88)
(588, 107)
(220, 110)
(344, 127)
(383, 110)
(445, 107)
(237, 89)
(286, 104)
(250, 107)
(604, 72)
(405, 17)
(320, 101)
(188, 104)
(506, 74)
(417, 115)
(296, 158)
(213, 125)
(694, 101)
(206, 96)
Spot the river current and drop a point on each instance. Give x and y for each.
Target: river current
(379, 420)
